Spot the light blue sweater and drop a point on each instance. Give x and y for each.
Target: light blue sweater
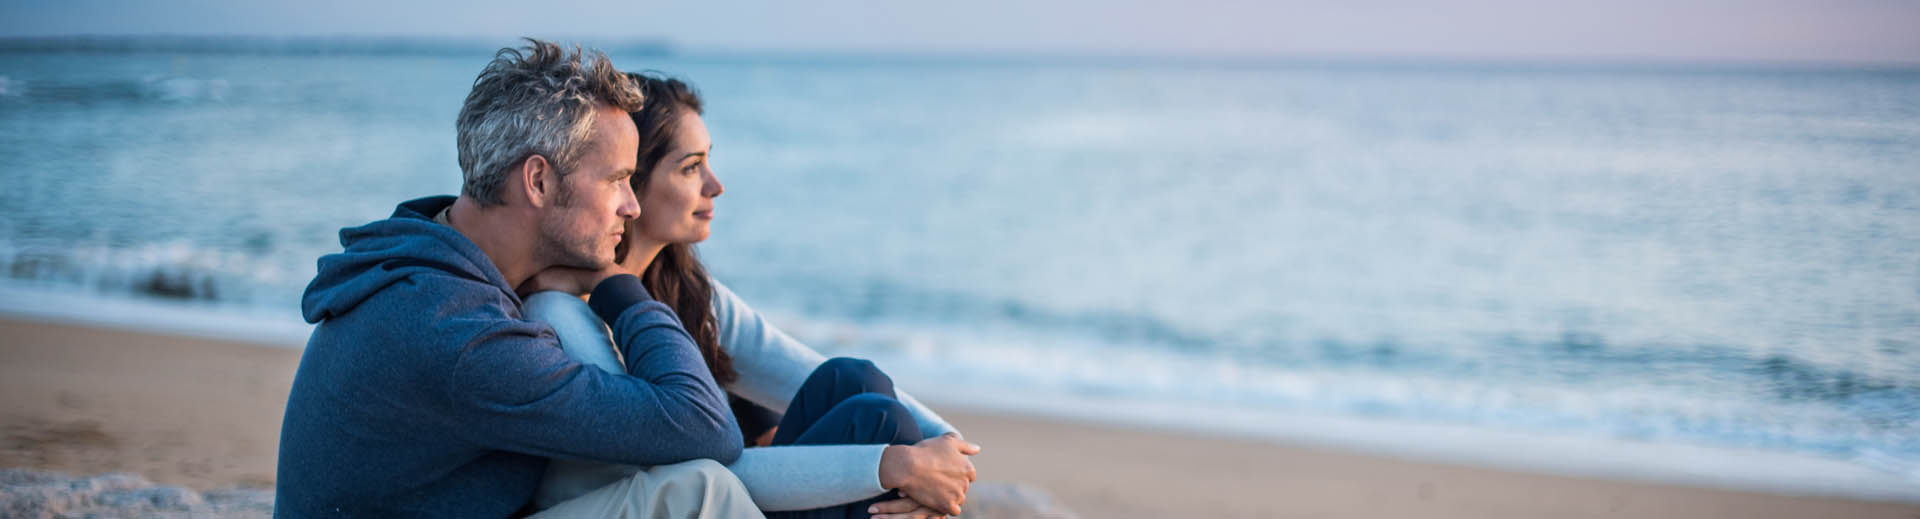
(772, 366)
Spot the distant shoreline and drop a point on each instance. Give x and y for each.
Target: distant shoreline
(294, 45)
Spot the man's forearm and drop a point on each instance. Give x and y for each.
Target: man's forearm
(659, 350)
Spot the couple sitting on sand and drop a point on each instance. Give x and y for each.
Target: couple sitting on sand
(455, 370)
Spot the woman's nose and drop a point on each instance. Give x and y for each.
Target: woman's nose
(712, 187)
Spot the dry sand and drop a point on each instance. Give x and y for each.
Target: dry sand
(206, 414)
(181, 411)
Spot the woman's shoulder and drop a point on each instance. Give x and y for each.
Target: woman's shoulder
(724, 300)
(730, 312)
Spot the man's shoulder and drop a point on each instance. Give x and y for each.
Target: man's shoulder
(431, 302)
(439, 294)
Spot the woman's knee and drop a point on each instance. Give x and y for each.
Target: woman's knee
(886, 417)
(860, 372)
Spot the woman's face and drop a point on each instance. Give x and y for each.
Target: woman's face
(678, 204)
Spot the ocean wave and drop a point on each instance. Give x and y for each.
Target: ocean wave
(167, 89)
(1567, 355)
(174, 270)
(179, 89)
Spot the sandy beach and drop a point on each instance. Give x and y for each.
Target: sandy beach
(206, 414)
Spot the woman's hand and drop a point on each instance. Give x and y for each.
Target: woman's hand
(765, 438)
(935, 472)
(903, 508)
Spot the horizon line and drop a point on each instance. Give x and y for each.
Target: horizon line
(405, 44)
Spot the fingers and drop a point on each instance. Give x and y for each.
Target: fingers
(918, 513)
(966, 447)
(941, 486)
(903, 508)
(948, 504)
(894, 506)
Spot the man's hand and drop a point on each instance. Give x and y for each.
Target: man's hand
(934, 472)
(902, 508)
(574, 281)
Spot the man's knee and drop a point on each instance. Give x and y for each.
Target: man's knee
(703, 471)
(702, 488)
(699, 488)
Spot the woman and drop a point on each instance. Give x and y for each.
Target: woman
(869, 448)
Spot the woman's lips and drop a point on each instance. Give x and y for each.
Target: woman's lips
(703, 215)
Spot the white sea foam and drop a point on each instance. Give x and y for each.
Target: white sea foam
(53, 303)
(183, 89)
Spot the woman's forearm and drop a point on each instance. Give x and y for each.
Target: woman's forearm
(805, 477)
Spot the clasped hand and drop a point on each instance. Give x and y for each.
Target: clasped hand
(932, 478)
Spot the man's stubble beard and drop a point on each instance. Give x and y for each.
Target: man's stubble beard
(557, 247)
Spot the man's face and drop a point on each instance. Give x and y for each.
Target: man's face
(583, 226)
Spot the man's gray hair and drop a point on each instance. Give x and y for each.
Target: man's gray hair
(537, 102)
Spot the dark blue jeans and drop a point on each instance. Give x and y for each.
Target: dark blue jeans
(845, 401)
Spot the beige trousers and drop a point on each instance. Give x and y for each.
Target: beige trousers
(700, 489)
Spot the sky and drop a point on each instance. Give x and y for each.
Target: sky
(1843, 31)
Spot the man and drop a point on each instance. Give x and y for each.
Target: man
(424, 393)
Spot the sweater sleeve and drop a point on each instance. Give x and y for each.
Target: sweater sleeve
(799, 477)
(805, 477)
(773, 365)
(516, 390)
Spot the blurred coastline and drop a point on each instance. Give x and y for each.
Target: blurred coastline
(1691, 274)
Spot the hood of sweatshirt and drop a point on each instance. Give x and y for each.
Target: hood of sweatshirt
(389, 251)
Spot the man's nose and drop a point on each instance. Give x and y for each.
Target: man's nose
(629, 204)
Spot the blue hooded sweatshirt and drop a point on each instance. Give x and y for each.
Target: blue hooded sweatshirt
(423, 392)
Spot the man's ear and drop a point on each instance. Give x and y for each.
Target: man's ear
(539, 181)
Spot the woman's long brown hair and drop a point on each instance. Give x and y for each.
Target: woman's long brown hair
(676, 276)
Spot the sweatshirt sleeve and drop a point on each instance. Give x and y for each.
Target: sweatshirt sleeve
(515, 389)
(799, 477)
(773, 365)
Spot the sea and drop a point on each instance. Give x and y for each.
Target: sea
(1699, 273)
